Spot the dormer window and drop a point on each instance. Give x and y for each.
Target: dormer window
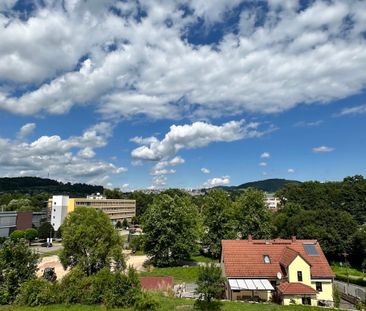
(266, 259)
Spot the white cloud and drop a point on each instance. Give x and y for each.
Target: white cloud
(323, 149)
(262, 164)
(64, 159)
(353, 110)
(308, 124)
(291, 171)
(265, 155)
(205, 170)
(252, 68)
(195, 135)
(217, 181)
(26, 130)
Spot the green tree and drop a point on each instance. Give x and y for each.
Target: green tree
(218, 220)
(124, 223)
(22, 205)
(252, 215)
(358, 248)
(17, 235)
(170, 227)
(45, 230)
(30, 235)
(210, 286)
(18, 264)
(90, 241)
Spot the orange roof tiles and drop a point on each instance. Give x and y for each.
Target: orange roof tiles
(244, 258)
(156, 282)
(295, 289)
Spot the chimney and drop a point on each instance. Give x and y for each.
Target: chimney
(250, 238)
(293, 238)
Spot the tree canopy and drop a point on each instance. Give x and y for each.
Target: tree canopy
(170, 227)
(90, 241)
(18, 264)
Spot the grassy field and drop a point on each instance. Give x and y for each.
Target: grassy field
(169, 304)
(180, 274)
(343, 271)
(200, 258)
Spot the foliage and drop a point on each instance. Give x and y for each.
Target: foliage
(30, 234)
(124, 223)
(45, 230)
(336, 296)
(210, 283)
(252, 215)
(218, 221)
(36, 185)
(268, 185)
(17, 235)
(354, 280)
(146, 302)
(18, 264)
(90, 241)
(37, 292)
(358, 248)
(332, 228)
(170, 226)
(348, 195)
(22, 205)
(137, 243)
(118, 225)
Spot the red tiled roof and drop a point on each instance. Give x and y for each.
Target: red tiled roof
(244, 258)
(295, 289)
(156, 282)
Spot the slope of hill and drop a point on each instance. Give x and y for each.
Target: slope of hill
(33, 185)
(268, 185)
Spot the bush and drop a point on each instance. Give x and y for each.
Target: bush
(17, 235)
(137, 243)
(146, 302)
(207, 305)
(72, 286)
(38, 292)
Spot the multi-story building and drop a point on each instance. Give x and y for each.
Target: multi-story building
(116, 209)
(287, 271)
(272, 202)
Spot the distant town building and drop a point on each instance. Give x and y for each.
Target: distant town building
(116, 209)
(272, 202)
(13, 220)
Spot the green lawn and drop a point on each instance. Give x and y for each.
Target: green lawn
(51, 253)
(169, 304)
(180, 274)
(337, 269)
(200, 258)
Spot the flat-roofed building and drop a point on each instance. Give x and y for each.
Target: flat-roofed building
(116, 209)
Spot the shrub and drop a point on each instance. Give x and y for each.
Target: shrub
(38, 292)
(137, 243)
(358, 281)
(72, 286)
(17, 235)
(146, 302)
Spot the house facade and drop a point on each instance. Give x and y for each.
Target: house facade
(286, 271)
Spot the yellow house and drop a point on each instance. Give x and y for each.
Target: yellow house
(286, 271)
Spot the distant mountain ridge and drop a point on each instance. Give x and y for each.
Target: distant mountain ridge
(33, 185)
(267, 185)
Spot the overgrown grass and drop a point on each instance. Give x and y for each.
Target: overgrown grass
(170, 304)
(341, 270)
(180, 274)
(200, 258)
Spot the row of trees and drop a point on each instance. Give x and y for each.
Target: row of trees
(175, 227)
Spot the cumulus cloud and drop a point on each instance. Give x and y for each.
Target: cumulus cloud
(353, 110)
(323, 149)
(259, 65)
(291, 171)
(195, 135)
(265, 155)
(217, 181)
(26, 130)
(71, 159)
(205, 170)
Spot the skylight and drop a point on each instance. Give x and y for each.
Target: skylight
(266, 259)
(310, 249)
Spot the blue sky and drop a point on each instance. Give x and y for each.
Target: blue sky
(183, 93)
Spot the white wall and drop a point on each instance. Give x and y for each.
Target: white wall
(59, 210)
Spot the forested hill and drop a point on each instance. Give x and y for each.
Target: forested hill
(268, 185)
(34, 185)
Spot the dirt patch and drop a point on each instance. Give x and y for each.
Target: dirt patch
(52, 262)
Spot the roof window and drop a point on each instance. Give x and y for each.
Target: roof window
(266, 259)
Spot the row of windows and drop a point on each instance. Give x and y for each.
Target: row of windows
(115, 208)
(104, 203)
